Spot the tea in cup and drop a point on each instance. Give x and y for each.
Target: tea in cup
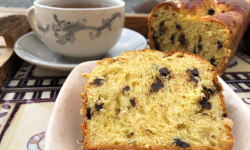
(78, 28)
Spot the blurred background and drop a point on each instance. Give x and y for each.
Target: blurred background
(132, 6)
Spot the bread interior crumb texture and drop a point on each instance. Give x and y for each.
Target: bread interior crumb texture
(152, 102)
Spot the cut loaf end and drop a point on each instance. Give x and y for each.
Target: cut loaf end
(151, 100)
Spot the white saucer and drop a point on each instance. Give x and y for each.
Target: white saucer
(31, 49)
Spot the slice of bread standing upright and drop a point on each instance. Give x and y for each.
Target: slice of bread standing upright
(210, 28)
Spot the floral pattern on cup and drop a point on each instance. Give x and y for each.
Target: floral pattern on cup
(64, 31)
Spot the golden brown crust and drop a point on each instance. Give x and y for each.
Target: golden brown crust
(235, 16)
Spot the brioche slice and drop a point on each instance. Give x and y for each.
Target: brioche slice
(151, 100)
(209, 28)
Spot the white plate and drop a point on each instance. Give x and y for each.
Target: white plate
(63, 130)
(30, 48)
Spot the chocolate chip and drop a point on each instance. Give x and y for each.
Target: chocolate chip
(162, 28)
(156, 44)
(89, 113)
(126, 88)
(172, 38)
(98, 107)
(207, 91)
(205, 104)
(180, 143)
(199, 46)
(164, 72)
(157, 85)
(131, 133)
(211, 11)
(219, 45)
(213, 62)
(192, 78)
(98, 81)
(194, 51)
(178, 27)
(182, 39)
(194, 72)
(224, 115)
(132, 102)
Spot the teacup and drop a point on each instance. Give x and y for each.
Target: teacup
(78, 28)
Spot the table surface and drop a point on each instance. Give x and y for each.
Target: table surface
(28, 97)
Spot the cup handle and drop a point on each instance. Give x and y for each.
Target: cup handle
(32, 20)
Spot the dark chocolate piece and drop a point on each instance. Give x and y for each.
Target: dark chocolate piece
(192, 78)
(194, 51)
(98, 81)
(180, 143)
(126, 88)
(213, 62)
(162, 28)
(98, 107)
(211, 11)
(88, 114)
(182, 39)
(199, 46)
(207, 91)
(194, 72)
(156, 44)
(178, 27)
(172, 38)
(164, 72)
(157, 85)
(219, 45)
(132, 102)
(205, 104)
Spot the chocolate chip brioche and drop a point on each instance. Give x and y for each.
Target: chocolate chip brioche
(209, 28)
(151, 100)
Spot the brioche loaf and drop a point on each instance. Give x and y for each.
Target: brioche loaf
(210, 28)
(151, 100)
